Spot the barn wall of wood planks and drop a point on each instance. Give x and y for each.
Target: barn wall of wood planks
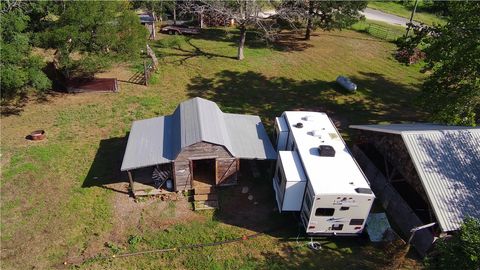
(226, 167)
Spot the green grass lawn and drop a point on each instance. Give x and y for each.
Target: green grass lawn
(396, 8)
(52, 210)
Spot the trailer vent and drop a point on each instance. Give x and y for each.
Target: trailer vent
(307, 118)
(298, 125)
(363, 190)
(326, 151)
(316, 133)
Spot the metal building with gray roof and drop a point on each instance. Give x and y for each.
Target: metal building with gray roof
(441, 163)
(197, 145)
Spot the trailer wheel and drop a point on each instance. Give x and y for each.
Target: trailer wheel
(171, 32)
(177, 32)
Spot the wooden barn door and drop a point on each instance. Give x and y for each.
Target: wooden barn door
(182, 175)
(227, 169)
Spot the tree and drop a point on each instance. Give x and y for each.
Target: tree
(244, 13)
(89, 35)
(329, 15)
(158, 7)
(452, 92)
(20, 70)
(460, 251)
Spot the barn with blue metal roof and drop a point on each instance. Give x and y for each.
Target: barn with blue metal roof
(196, 145)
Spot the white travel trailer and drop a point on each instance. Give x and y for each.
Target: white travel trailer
(317, 176)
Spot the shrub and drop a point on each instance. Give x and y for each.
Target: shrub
(460, 251)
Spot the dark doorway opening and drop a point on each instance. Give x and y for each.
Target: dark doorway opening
(203, 172)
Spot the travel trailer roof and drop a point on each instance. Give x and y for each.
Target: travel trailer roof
(339, 174)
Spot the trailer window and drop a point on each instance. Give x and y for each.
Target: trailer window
(324, 212)
(356, 221)
(337, 227)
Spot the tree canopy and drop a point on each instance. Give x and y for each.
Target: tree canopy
(329, 15)
(87, 35)
(20, 70)
(452, 92)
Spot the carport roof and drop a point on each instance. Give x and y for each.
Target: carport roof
(159, 140)
(447, 160)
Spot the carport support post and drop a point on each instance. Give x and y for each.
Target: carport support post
(130, 178)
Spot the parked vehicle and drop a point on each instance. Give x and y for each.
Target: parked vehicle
(317, 176)
(180, 30)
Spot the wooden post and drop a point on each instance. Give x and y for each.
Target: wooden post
(130, 178)
(145, 76)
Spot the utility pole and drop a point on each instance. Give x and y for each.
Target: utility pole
(411, 17)
(174, 12)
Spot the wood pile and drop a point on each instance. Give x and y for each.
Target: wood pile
(205, 198)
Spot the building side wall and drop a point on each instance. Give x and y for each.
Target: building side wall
(201, 150)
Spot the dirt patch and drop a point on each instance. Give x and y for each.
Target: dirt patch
(121, 72)
(137, 216)
(149, 213)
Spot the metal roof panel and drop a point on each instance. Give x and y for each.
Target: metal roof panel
(159, 140)
(448, 164)
(248, 137)
(145, 145)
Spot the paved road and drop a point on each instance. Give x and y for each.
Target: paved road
(373, 14)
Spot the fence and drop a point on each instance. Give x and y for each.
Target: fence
(379, 31)
(383, 32)
(149, 68)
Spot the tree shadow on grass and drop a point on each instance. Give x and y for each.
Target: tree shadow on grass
(336, 253)
(105, 169)
(396, 99)
(378, 99)
(15, 106)
(185, 54)
(285, 41)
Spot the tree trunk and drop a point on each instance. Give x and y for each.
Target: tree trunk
(201, 19)
(241, 42)
(309, 20)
